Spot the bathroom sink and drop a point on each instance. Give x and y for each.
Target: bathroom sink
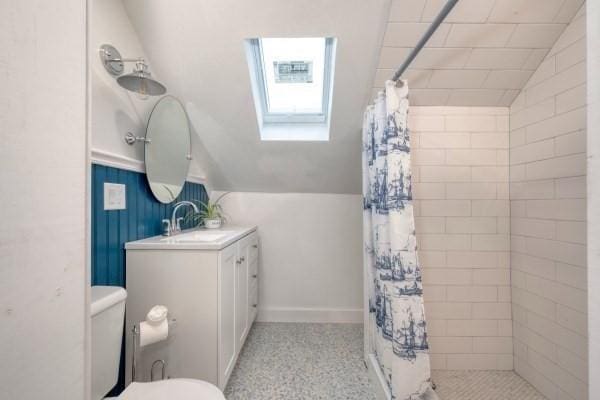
(195, 239)
(197, 236)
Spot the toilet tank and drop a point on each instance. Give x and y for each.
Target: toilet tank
(107, 312)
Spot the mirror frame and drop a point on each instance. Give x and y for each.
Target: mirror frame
(148, 142)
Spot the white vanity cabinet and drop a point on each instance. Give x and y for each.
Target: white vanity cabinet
(210, 289)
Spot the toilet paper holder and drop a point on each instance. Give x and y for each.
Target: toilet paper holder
(135, 333)
(163, 366)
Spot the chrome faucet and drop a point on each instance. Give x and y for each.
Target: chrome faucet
(173, 226)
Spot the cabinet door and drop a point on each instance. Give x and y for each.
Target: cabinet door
(241, 294)
(227, 321)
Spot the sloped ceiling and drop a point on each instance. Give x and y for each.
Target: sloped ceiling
(482, 55)
(196, 48)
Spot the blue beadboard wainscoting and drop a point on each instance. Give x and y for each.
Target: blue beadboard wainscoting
(111, 229)
(141, 218)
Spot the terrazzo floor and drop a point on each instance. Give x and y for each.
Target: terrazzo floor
(286, 361)
(301, 362)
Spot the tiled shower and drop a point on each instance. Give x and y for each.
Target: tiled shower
(501, 221)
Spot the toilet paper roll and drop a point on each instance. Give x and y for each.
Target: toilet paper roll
(152, 333)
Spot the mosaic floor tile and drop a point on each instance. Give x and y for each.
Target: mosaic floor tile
(299, 362)
(483, 385)
(290, 361)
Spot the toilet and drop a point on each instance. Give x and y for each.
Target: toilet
(108, 312)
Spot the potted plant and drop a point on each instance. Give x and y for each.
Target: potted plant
(210, 215)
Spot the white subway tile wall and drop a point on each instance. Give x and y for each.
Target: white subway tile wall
(460, 186)
(548, 221)
(483, 53)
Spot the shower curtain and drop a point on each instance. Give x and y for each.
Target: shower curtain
(397, 330)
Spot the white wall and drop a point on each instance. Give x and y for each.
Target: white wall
(310, 253)
(116, 111)
(548, 220)
(198, 50)
(42, 212)
(593, 170)
(460, 187)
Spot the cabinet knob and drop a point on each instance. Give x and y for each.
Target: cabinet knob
(254, 305)
(254, 276)
(255, 246)
(242, 259)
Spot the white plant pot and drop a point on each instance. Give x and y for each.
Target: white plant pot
(213, 223)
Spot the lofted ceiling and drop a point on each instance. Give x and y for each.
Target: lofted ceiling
(482, 55)
(196, 47)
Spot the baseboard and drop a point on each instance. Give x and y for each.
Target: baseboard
(314, 315)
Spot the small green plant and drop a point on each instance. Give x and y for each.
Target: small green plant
(208, 210)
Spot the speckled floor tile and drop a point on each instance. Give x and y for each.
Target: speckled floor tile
(299, 362)
(483, 385)
(324, 361)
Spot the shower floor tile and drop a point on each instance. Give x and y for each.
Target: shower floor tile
(483, 385)
(324, 361)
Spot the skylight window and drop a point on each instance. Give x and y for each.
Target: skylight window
(292, 80)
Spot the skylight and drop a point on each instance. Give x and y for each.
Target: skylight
(292, 79)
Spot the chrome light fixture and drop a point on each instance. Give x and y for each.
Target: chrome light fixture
(139, 81)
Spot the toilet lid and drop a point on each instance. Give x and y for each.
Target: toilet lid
(172, 389)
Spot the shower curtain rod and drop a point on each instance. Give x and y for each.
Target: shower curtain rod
(430, 31)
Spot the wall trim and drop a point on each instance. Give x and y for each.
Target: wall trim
(313, 315)
(115, 160)
(110, 159)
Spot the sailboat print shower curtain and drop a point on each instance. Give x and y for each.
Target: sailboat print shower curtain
(397, 331)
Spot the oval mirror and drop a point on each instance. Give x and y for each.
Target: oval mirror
(168, 149)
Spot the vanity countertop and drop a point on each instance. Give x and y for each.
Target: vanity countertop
(194, 239)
